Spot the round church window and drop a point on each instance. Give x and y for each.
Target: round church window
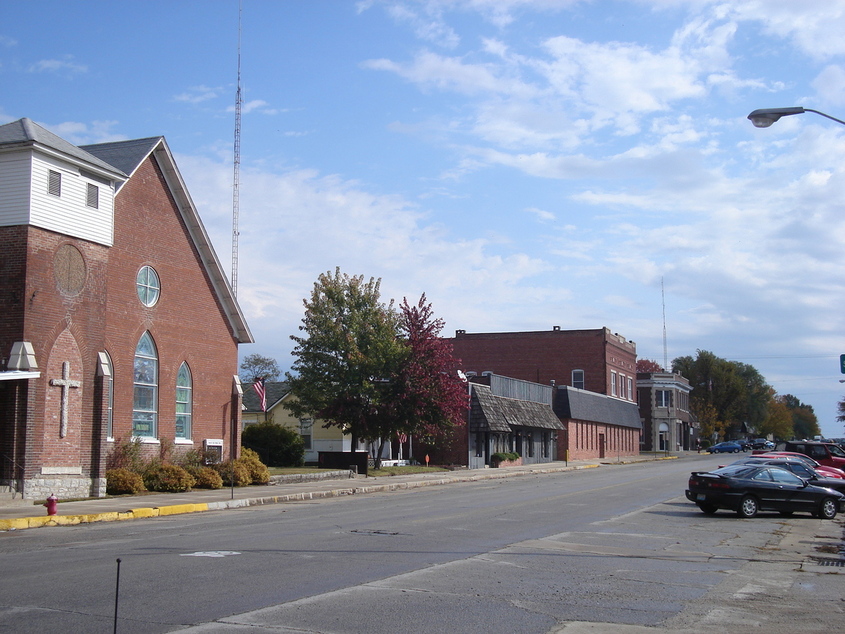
(69, 269)
(148, 286)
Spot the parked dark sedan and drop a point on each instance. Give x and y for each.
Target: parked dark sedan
(749, 488)
(729, 446)
(799, 468)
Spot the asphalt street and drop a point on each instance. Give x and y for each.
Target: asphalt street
(612, 548)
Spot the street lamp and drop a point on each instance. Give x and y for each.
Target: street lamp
(765, 117)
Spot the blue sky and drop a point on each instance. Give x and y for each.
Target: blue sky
(525, 163)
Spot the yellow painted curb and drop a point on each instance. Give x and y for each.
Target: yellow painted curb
(145, 512)
(20, 523)
(178, 509)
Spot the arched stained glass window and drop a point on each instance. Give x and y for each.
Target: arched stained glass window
(184, 402)
(145, 402)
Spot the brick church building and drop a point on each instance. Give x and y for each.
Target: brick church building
(116, 318)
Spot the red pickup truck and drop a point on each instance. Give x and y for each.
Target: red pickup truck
(825, 453)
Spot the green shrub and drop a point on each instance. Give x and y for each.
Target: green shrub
(127, 454)
(283, 446)
(206, 477)
(168, 478)
(238, 469)
(258, 471)
(501, 456)
(123, 481)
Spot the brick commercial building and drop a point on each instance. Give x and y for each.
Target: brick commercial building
(594, 373)
(595, 360)
(117, 320)
(668, 424)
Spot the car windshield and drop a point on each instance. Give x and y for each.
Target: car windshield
(836, 451)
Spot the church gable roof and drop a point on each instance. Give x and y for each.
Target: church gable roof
(124, 155)
(130, 155)
(120, 158)
(25, 132)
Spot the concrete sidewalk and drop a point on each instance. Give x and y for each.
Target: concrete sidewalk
(21, 516)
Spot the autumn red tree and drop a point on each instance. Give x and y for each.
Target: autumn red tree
(647, 365)
(430, 398)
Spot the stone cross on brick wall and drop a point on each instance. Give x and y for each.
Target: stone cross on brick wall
(65, 383)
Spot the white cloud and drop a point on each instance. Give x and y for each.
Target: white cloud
(830, 85)
(541, 214)
(296, 225)
(815, 27)
(80, 133)
(198, 94)
(255, 105)
(430, 28)
(66, 65)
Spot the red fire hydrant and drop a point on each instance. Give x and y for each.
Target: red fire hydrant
(52, 504)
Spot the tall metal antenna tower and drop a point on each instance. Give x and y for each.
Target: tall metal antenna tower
(237, 175)
(665, 348)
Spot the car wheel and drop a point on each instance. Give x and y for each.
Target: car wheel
(748, 507)
(736, 450)
(709, 509)
(828, 509)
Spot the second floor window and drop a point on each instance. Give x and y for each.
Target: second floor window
(55, 183)
(663, 398)
(93, 199)
(578, 379)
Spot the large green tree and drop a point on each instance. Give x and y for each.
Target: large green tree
(778, 422)
(371, 370)
(346, 356)
(728, 393)
(805, 423)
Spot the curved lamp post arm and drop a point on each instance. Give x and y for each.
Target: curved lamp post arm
(765, 117)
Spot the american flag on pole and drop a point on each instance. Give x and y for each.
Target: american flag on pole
(258, 386)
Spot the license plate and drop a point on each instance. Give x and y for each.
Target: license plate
(701, 497)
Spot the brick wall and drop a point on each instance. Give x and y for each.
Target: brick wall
(583, 439)
(545, 356)
(63, 324)
(187, 323)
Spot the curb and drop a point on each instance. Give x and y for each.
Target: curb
(21, 523)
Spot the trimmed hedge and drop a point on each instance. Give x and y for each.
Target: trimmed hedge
(168, 478)
(123, 481)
